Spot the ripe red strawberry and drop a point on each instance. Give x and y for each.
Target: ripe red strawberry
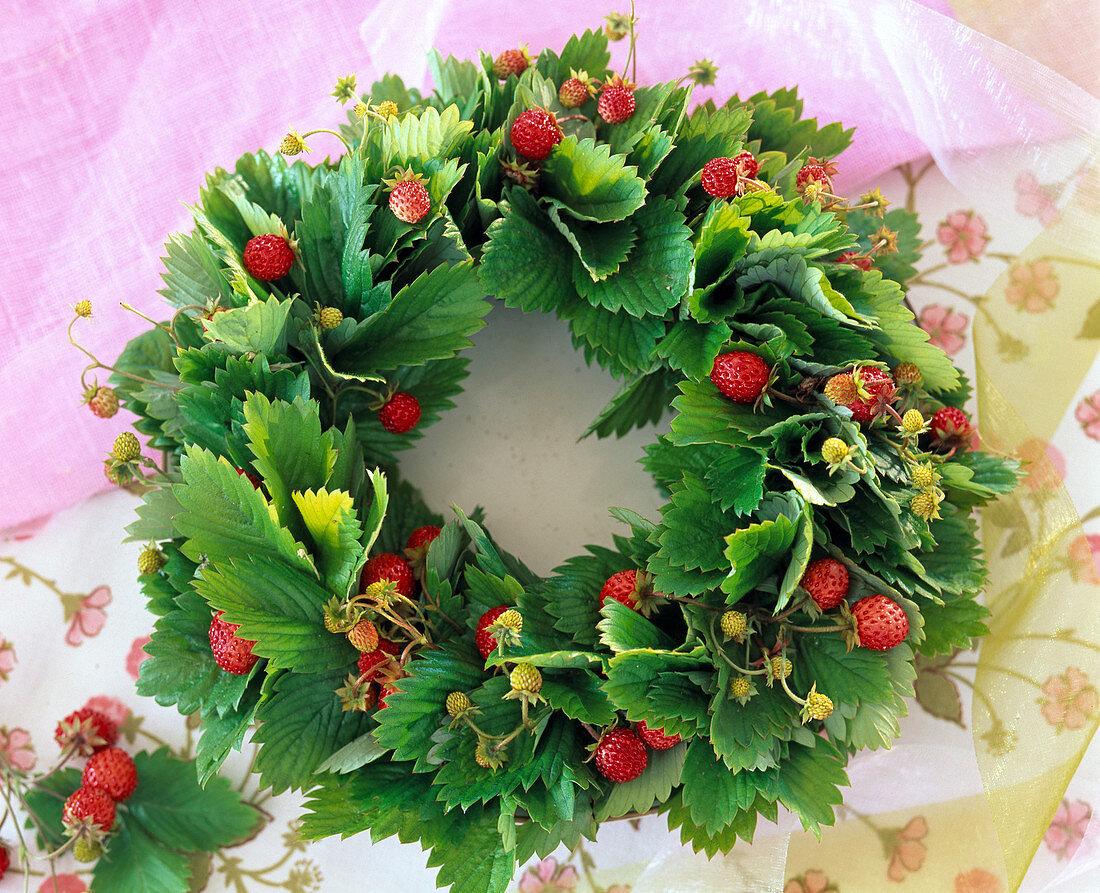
(484, 640)
(656, 739)
(387, 566)
(422, 536)
(103, 402)
(268, 257)
(814, 173)
(386, 690)
(827, 582)
(409, 201)
(89, 805)
(720, 177)
(252, 479)
(623, 587)
(616, 104)
(113, 771)
(232, 654)
(880, 622)
(747, 165)
(511, 62)
(368, 660)
(950, 422)
(740, 375)
(5, 860)
(400, 414)
(881, 390)
(621, 755)
(534, 133)
(87, 729)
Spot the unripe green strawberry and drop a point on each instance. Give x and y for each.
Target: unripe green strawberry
(926, 505)
(834, 450)
(740, 686)
(151, 560)
(511, 619)
(387, 108)
(330, 318)
(912, 422)
(526, 678)
(458, 702)
(126, 447)
(818, 706)
(841, 389)
(924, 476)
(363, 636)
(734, 624)
(779, 667)
(87, 849)
(83, 309)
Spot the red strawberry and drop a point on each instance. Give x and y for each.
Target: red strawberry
(103, 402)
(856, 260)
(252, 479)
(827, 582)
(656, 739)
(534, 133)
(111, 770)
(881, 390)
(740, 375)
(811, 173)
(720, 177)
(950, 422)
(268, 257)
(5, 860)
(422, 536)
(386, 690)
(232, 654)
(363, 636)
(511, 62)
(387, 566)
(747, 165)
(87, 729)
(409, 201)
(575, 90)
(880, 622)
(368, 660)
(400, 414)
(616, 101)
(623, 587)
(484, 640)
(621, 755)
(89, 806)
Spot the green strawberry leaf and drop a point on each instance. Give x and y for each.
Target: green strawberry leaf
(735, 479)
(655, 687)
(642, 401)
(810, 782)
(691, 347)
(335, 532)
(586, 181)
(619, 342)
(140, 863)
(715, 796)
(754, 552)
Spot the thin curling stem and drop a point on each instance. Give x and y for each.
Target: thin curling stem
(333, 132)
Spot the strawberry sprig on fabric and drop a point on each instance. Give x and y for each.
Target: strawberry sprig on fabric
(401, 668)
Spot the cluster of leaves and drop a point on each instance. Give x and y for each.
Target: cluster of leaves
(654, 279)
(164, 832)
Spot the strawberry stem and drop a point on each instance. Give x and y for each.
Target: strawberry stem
(333, 132)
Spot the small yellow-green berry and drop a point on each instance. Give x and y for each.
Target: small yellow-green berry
(526, 678)
(818, 706)
(512, 619)
(83, 309)
(834, 450)
(330, 318)
(926, 505)
(126, 447)
(87, 849)
(779, 667)
(387, 108)
(151, 560)
(841, 389)
(293, 144)
(458, 702)
(912, 421)
(740, 686)
(361, 109)
(924, 476)
(907, 375)
(734, 624)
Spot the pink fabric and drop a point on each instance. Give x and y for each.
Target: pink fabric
(115, 110)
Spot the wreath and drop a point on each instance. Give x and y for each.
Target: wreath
(405, 671)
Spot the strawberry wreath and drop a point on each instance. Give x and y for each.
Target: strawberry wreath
(401, 668)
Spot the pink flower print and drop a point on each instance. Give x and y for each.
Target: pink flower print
(963, 234)
(7, 659)
(112, 708)
(89, 617)
(812, 881)
(16, 749)
(908, 852)
(1068, 827)
(977, 880)
(1088, 414)
(137, 655)
(1070, 700)
(1033, 200)
(66, 883)
(1084, 555)
(1044, 464)
(547, 877)
(1032, 286)
(945, 327)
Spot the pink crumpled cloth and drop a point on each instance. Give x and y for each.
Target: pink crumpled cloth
(113, 111)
